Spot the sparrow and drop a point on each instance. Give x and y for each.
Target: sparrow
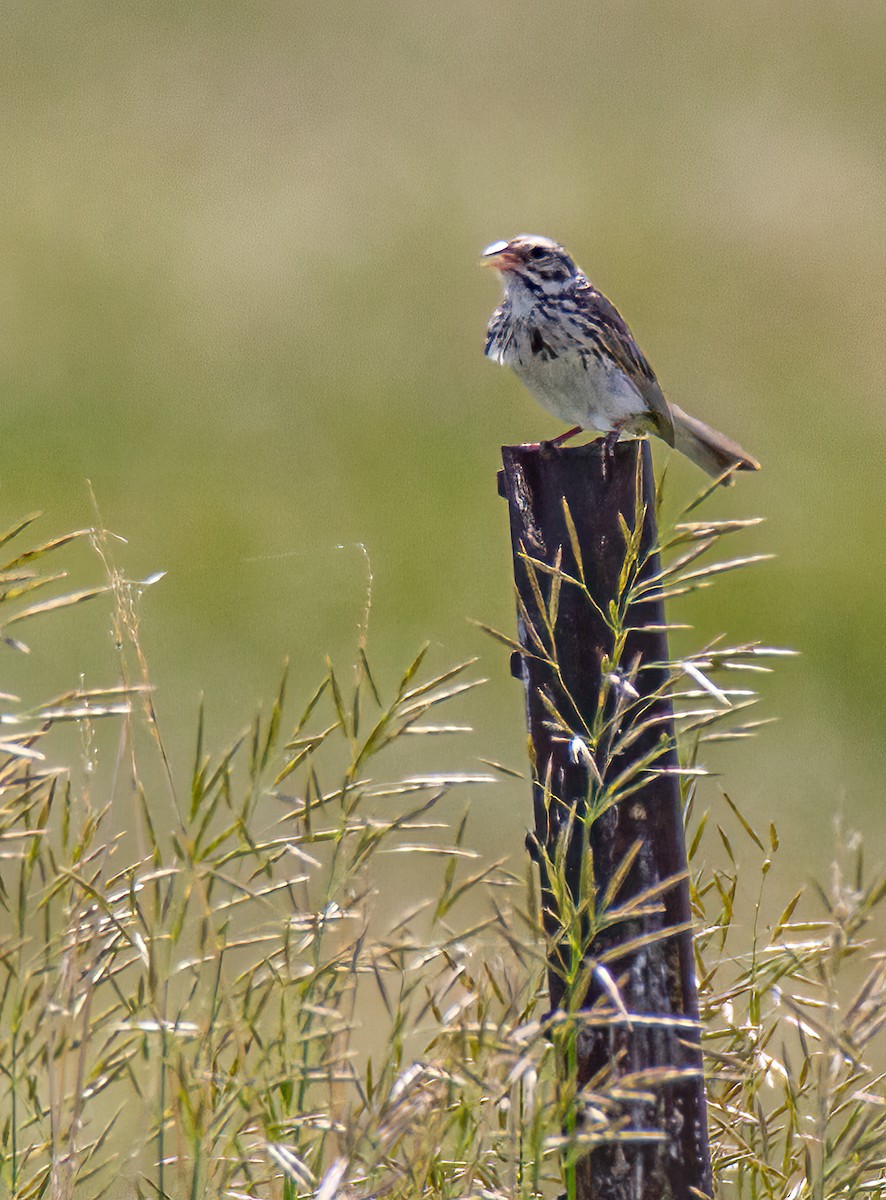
(571, 348)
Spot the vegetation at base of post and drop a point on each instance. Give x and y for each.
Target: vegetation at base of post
(210, 985)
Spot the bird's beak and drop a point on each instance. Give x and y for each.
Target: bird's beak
(499, 255)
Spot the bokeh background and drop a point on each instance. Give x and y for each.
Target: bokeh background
(239, 294)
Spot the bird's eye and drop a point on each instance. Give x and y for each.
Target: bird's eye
(536, 253)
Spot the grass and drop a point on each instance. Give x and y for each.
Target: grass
(214, 983)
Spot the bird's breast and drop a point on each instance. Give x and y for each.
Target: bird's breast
(578, 384)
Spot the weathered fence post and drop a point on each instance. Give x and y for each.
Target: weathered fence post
(593, 716)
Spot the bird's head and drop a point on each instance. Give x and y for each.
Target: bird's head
(535, 262)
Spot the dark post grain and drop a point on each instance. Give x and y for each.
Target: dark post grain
(658, 978)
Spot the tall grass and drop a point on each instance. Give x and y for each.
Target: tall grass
(215, 984)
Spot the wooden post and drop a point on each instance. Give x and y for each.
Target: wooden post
(636, 844)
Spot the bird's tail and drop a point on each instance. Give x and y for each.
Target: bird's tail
(708, 449)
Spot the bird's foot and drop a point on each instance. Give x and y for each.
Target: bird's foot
(564, 437)
(555, 442)
(608, 456)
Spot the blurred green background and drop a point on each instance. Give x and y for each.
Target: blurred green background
(238, 293)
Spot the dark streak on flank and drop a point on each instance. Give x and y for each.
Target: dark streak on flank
(538, 345)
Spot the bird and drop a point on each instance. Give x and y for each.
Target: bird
(574, 352)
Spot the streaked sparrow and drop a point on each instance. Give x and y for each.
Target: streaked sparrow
(570, 347)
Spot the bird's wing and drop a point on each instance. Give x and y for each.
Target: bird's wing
(610, 330)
